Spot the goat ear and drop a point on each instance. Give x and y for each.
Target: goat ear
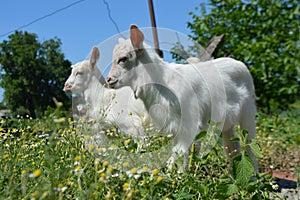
(94, 57)
(136, 37)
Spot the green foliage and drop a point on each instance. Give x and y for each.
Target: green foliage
(47, 158)
(278, 135)
(32, 73)
(242, 182)
(263, 34)
(242, 167)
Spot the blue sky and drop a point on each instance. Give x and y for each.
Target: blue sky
(87, 23)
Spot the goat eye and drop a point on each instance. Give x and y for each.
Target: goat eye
(79, 73)
(122, 60)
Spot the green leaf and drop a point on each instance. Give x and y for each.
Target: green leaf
(225, 190)
(232, 189)
(255, 149)
(252, 186)
(202, 189)
(235, 139)
(221, 192)
(245, 134)
(202, 134)
(242, 169)
(184, 195)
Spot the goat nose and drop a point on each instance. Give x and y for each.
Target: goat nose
(108, 78)
(67, 85)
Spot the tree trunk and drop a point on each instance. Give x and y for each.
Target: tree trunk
(30, 106)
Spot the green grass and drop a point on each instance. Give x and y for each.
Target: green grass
(279, 137)
(48, 159)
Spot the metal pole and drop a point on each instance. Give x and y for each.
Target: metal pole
(154, 30)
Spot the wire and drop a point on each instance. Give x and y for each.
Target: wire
(110, 17)
(43, 17)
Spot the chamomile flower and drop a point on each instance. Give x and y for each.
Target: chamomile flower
(105, 164)
(127, 142)
(77, 160)
(115, 175)
(87, 137)
(91, 147)
(36, 173)
(159, 179)
(78, 170)
(101, 151)
(126, 186)
(6, 156)
(113, 147)
(275, 186)
(59, 120)
(110, 169)
(76, 163)
(155, 172)
(125, 164)
(143, 170)
(60, 188)
(134, 172)
(97, 161)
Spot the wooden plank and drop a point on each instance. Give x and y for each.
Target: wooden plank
(212, 48)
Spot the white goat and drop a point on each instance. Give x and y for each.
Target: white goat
(117, 107)
(189, 94)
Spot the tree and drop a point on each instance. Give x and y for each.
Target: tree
(264, 35)
(32, 73)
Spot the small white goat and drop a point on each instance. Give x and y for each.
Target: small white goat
(189, 94)
(118, 107)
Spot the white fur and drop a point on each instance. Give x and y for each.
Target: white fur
(117, 107)
(217, 90)
(193, 60)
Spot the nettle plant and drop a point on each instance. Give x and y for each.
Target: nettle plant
(242, 181)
